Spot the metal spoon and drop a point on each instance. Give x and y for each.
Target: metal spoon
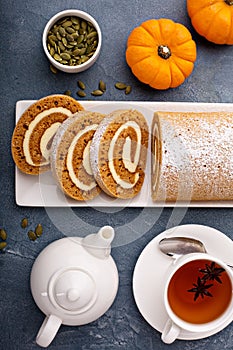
(175, 246)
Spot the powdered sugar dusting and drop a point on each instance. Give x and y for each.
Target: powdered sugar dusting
(197, 156)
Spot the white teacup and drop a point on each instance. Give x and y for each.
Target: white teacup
(197, 276)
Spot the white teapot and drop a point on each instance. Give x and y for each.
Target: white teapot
(74, 281)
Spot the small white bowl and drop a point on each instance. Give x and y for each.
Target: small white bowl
(91, 60)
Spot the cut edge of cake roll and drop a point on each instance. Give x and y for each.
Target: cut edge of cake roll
(192, 156)
(35, 129)
(70, 156)
(118, 153)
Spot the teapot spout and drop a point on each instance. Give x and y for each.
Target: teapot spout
(99, 244)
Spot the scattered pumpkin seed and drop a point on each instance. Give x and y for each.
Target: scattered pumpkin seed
(3, 234)
(81, 93)
(128, 89)
(120, 86)
(74, 37)
(67, 92)
(53, 69)
(102, 85)
(3, 245)
(39, 230)
(81, 85)
(97, 92)
(24, 223)
(31, 235)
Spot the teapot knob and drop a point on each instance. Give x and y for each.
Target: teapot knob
(73, 289)
(73, 294)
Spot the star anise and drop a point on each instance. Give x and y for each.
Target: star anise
(201, 289)
(211, 272)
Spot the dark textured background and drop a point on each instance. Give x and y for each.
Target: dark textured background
(25, 74)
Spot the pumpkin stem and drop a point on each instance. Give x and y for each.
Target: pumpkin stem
(164, 51)
(229, 2)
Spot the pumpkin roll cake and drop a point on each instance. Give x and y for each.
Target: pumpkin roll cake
(33, 133)
(70, 156)
(192, 156)
(118, 153)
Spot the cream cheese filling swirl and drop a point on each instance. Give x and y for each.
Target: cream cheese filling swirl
(130, 165)
(46, 137)
(85, 160)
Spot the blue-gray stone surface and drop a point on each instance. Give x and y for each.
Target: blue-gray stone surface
(25, 74)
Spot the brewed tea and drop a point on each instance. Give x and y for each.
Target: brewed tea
(200, 291)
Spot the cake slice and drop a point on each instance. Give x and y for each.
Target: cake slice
(118, 153)
(70, 159)
(33, 133)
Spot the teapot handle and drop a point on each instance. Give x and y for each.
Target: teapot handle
(48, 330)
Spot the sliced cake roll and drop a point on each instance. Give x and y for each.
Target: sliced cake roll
(118, 153)
(33, 133)
(70, 158)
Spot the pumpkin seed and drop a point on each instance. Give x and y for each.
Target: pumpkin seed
(64, 41)
(52, 51)
(120, 86)
(76, 52)
(74, 20)
(75, 36)
(24, 223)
(3, 234)
(67, 92)
(52, 42)
(82, 51)
(39, 230)
(53, 69)
(81, 93)
(3, 245)
(102, 85)
(80, 39)
(128, 89)
(31, 235)
(69, 37)
(76, 26)
(84, 24)
(82, 31)
(67, 24)
(97, 92)
(52, 37)
(81, 85)
(62, 47)
(64, 62)
(84, 59)
(65, 56)
(62, 31)
(70, 30)
(58, 36)
(92, 35)
(57, 57)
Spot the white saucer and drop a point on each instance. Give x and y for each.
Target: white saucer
(148, 277)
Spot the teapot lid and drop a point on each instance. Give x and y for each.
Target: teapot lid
(73, 289)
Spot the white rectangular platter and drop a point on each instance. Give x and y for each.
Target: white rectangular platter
(42, 191)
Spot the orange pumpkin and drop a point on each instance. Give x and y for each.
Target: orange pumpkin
(212, 19)
(161, 53)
